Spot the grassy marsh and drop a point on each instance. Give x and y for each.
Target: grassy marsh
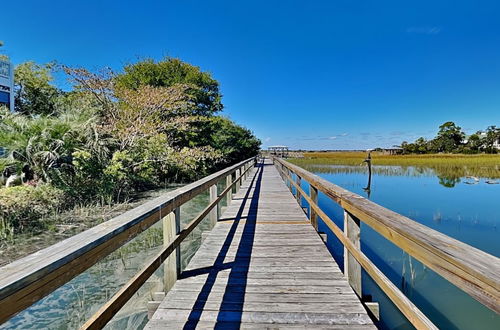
(445, 165)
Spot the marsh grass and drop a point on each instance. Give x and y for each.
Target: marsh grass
(443, 165)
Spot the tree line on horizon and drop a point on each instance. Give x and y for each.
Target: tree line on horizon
(451, 139)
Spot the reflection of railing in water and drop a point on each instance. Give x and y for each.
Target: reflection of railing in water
(470, 269)
(27, 280)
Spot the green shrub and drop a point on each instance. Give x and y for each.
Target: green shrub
(26, 207)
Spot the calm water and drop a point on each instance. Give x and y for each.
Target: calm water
(462, 208)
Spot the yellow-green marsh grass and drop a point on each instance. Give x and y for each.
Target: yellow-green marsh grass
(447, 165)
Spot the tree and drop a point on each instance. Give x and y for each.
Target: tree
(236, 143)
(449, 138)
(34, 93)
(492, 136)
(421, 146)
(474, 143)
(172, 71)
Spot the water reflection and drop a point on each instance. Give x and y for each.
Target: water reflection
(448, 182)
(446, 178)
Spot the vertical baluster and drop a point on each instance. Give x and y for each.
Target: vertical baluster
(238, 181)
(352, 269)
(229, 196)
(298, 181)
(172, 265)
(313, 192)
(214, 213)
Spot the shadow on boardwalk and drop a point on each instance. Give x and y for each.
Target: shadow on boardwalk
(233, 300)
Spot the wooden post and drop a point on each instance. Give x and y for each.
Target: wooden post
(297, 195)
(233, 188)
(229, 196)
(352, 269)
(313, 192)
(238, 181)
(172, 265)
(214, 213)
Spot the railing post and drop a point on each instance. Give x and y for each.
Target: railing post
(229, 196)
(313, 192)
(238, 181)
(352, 269)
(172, 265)
(297, 195)
(214, 212)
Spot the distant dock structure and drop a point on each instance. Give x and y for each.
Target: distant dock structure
(278, 151)
(392, 151)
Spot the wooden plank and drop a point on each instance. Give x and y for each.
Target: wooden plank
(328, 298)
(160, 324)
(285, 307)
(264, 317)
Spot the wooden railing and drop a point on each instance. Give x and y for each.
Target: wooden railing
(472, 270)
(29, 279)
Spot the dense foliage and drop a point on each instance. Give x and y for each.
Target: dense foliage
(451, 139)
(115, 134)
(170, 72)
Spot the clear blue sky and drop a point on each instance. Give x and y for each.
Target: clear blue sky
(308, 74)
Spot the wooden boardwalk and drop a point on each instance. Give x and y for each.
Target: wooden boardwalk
(262, 266)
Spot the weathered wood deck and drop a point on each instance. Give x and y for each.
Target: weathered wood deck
(262, 266)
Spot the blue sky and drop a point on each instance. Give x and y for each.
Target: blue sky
(308, 74)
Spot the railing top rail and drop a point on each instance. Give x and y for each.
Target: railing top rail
(472, 270)
(50, 263)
